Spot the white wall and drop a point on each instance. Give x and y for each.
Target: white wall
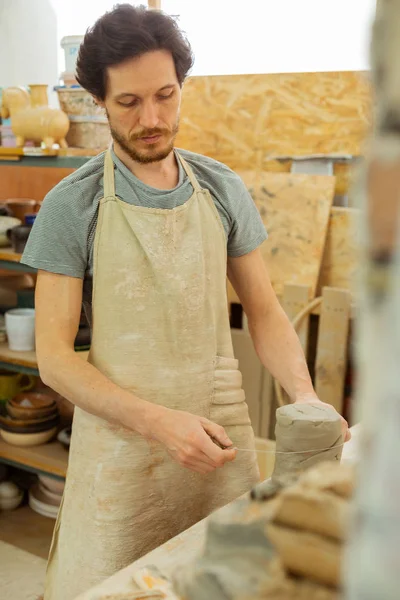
(276, 36)
(28, 43)
(228, 36)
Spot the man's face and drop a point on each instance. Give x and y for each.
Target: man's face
(142, 104)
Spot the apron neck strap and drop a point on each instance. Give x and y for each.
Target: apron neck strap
(109, 184)
(189, 173)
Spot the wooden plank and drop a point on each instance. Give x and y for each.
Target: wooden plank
(252, 371)
(49, 458)
(246, 120)
(332, 345)
(295, 210)
(341, 258)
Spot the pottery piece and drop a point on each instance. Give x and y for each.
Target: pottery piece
(64, 437)
(41, 504)
(7, 223)
(8, 425)
(24, 414)
(19, 207)
(33, 400)
(70, 44)
(56, 486)
(10, 495)
(38, 94)
(11, 384)
(41, 124)
(18, 237)
(51, 496)
(20, 327)
(10, 421)
(28, 439)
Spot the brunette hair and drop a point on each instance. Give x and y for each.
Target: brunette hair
(129, 32)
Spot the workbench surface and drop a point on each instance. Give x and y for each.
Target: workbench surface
(182, 549)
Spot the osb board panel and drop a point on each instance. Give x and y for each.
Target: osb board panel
(342, 171)
(341, 256)
(29, 182)
(245, 120)
(295, 210)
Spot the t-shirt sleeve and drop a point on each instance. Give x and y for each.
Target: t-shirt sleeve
(247, 231)
(58, 240)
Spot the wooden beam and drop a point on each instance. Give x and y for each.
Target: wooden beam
(331, 361)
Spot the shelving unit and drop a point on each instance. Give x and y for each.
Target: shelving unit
(49, 459)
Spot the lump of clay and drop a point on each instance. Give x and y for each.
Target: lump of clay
(287, 548)
(306, 434)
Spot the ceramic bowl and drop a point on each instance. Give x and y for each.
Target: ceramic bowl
(31, 405)
(35, 428)
(7, 419)
(22, 414)
(11, 503)
(53, 485)
(42, 504)
(50, 496)
(20, 207)
(28, 439)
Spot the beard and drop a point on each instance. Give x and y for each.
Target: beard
(154, 152)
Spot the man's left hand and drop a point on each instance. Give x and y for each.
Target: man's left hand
(311, 399)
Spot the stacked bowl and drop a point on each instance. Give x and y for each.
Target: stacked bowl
(29, 419)
(45, 496)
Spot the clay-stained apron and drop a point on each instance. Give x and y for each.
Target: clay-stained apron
(161, 330)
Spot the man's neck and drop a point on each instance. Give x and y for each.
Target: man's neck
(163, 174)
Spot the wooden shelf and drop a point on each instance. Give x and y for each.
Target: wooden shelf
(9, 255)
(49, 458)
(25, 360)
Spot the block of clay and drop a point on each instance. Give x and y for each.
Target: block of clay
(331, 477)
(315, 511)
(307, 554)
(306, 434)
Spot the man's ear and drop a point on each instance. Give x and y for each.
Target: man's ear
(99, 102)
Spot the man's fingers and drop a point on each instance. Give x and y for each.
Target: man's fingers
(217, 432)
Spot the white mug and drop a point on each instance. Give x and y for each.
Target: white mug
(20, 328)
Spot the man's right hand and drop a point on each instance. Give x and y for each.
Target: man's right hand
(187, 439)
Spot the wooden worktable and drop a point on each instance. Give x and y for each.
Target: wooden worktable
(181, 550)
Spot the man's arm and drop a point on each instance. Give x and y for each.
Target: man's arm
(187, 437)
(275, 340)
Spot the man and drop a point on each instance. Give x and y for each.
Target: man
(159, 404)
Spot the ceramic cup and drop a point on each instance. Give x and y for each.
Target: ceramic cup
(20, 328)
(12, 384)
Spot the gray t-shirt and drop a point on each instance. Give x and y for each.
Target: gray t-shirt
(62, 237)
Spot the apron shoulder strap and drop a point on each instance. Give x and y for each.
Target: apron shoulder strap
(109, 183)
(189, 173)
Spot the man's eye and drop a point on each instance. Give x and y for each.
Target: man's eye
(128, 104)
(165, 97)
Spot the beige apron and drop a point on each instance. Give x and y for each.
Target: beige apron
(160, 329)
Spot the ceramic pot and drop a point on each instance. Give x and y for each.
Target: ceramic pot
(18, 237)
(19, 207)
(7, 223)
(20, 328)
(38, 94)
(28, 439)
(12, 384)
